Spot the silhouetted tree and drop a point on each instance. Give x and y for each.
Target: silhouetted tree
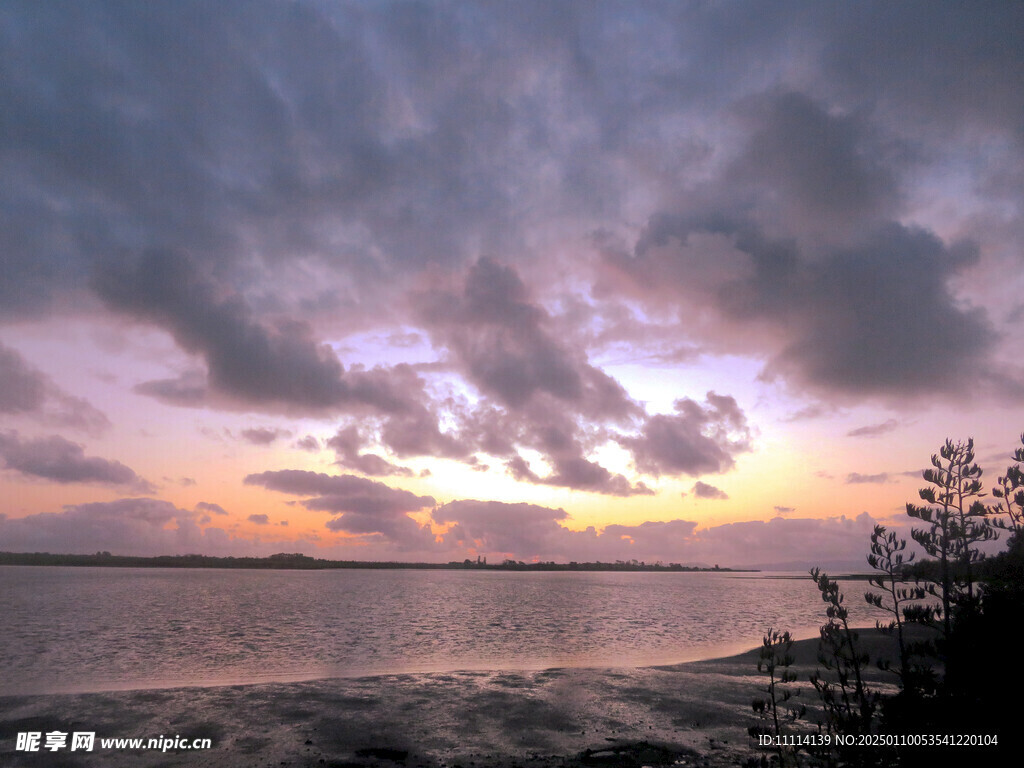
(849, 704)
(904, 603)
(957, 522)
(774, 660)
(964, 600)
(1010, 492)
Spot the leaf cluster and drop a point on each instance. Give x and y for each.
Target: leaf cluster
(1009, 491)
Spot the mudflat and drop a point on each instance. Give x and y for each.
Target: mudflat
(694, 714)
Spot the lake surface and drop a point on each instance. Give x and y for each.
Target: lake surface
(88, 629)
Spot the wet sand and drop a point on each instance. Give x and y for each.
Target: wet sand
(694, 714)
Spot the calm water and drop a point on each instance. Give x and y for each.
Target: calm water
(81, 629)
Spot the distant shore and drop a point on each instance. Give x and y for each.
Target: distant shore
(289, 561)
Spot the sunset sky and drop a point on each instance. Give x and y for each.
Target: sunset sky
(691, 282)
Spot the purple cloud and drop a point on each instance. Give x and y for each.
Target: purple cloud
(209, 506)
(24, 390)
(54, 458)
(502, 342)
(697, 439)
(874, 430)
(130, 526)
(347, 444)
(364, 506)
(705, 491)
(263, 435)
(856, 478)
(493, 526)
(308, 443)
(248, 360)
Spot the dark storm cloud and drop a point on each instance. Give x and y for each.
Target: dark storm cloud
(146, 122)
(54, 458)
(822, 165)
(697, 439)
(879, 317)
(808, 253)
(28, 391)
(952, 65)
(371, 140)
(496, 333)
(256, 178)
(280, 364)
(706, 491)
(564, 443)
(874, 317)
(580, 473)
(315, 159)
(245, 358)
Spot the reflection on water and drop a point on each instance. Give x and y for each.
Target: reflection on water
(99, 628)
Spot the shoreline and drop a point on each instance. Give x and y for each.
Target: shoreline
(705, 653)
(692, 713)
(695, 711)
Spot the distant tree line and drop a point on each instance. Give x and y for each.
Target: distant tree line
(298, 561)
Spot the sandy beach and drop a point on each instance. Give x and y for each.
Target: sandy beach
(686, 714)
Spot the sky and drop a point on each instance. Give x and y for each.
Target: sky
(703, 283)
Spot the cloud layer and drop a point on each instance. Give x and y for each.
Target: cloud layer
(496, 529)
(58, 460)
(24, 390)
(594, 257)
